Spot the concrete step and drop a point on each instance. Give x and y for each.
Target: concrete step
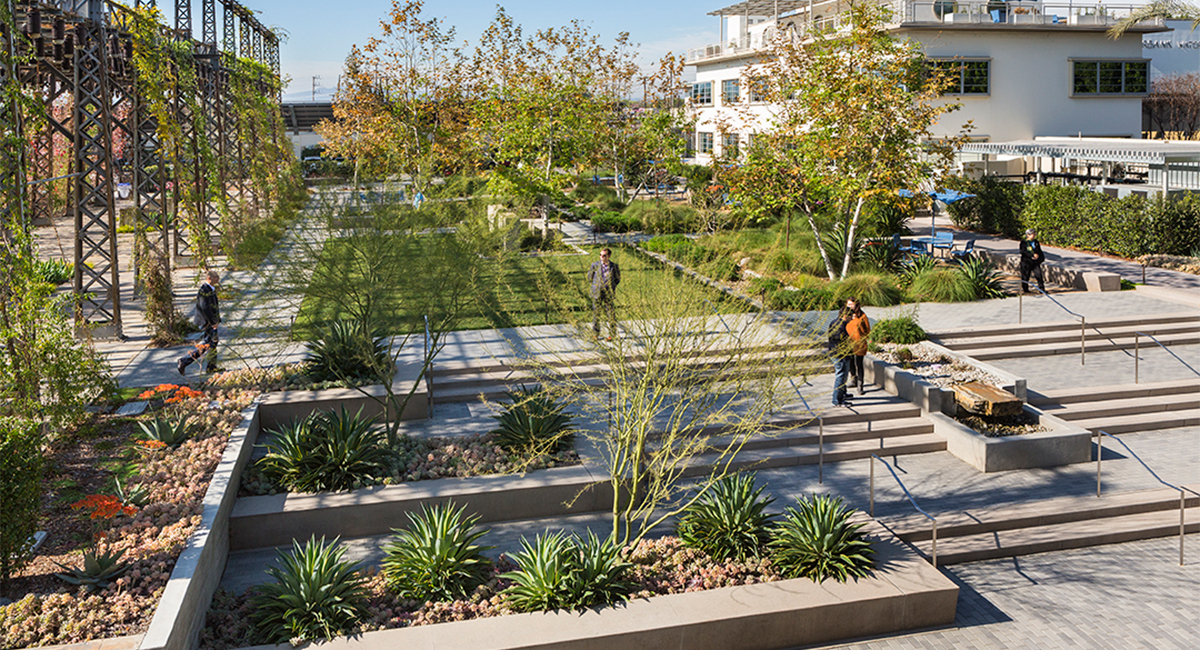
(1114, 408)
(1065, 325)
(810, 454)
(1047, 512)
(1064, 396)
(1098, 344)
(835, 433)
(1071, 336)
(1058, 537)
(1142, 421)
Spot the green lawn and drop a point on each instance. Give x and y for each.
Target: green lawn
(525, 291)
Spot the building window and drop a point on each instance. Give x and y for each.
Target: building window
(705, 142)
(729, 145)
(702, 93)
(965, 77)
(729, 91)
(1109, 77)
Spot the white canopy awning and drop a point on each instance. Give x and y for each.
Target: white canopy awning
(1099, 149)
(760, 8)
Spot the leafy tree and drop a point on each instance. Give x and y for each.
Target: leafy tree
(852, 116)
(1159, 9)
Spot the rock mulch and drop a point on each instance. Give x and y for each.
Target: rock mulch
(933, 366)
(1001, 427)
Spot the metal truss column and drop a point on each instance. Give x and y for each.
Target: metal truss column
(41, 149)
(13, 215)
(97, 278)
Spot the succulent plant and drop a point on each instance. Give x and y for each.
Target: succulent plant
(170, 433)
(316, 595)
(729, 520)
(437, 557)
(98, 569)
(817, 541)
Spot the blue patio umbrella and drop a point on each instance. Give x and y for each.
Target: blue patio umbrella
(944, 195)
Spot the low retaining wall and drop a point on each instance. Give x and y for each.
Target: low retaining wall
(276, 520)
(1061, 275)
(285, 406)
(931, 397)
(1063, 444)
(905, 593)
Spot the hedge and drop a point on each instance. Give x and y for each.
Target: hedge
(20, 492)
(1077, 217)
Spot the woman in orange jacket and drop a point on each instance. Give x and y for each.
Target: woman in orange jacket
(857, 329)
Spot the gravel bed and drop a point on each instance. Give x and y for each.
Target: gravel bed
(934, 366)
(1002, 427)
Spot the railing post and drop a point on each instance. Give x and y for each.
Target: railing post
(1099, 455)
(872, 485)
(1136, 355)
(1082, 340)
(1020, 307)
(821, 450)
(934, 537)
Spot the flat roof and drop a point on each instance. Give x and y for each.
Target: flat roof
(1099, 149)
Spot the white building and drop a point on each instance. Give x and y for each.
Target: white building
(1027, 69)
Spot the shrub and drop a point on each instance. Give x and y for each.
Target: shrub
(880, 255)
(170, 433)
(996, 208)
(326, 451)
(436, 558)
(346, 351)
(802, 299)
(660, 217)
(728, 521)
(20, 492)
(817, 541)
(903, 330)
(873, 289)
(316, 595)
(904, 354)
(983, 277)
(764, 286)
(780, 261)
(560, 572)
(942, 285)
(890, 216)
(98, 569)
(533, 423)
(55, 272)
(615, 222)
(915, 266)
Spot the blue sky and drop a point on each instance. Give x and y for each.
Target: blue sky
(320, 33)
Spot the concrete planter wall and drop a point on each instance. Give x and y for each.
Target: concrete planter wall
(906, 593)
(1063, 444)
(285, 406)
(931, 397)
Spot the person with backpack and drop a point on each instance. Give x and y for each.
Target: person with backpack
(207, 317)
(839, 350)
(857, 328)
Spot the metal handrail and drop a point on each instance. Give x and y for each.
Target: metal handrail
(428, 367)
(931, 518)
(1137, 354)
(1182, 491)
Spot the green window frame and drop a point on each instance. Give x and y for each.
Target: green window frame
(966, 76)
(702, 93)
(1110, 77)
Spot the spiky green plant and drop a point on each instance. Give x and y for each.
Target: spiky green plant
(871, 289)
(436, 557)
(98, 569)
(131, 495)
(327, 451)
(983, 276)
(170, 433)
(533, 423)
(915, 266)
(316, 595)
(942, 285)
(879, 255)
(816, 540)
(560, 572)
(348, 351)
(729, 520)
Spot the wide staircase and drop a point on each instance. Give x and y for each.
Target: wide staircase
(991, 342)
(1125, 408)
(1054, 524)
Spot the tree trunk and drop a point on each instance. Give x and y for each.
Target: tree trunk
(850, 236)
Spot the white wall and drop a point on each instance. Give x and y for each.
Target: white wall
(303, 139)
(1174, 52)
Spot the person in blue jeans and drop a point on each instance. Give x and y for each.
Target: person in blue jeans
(840, 350)
(207, 318)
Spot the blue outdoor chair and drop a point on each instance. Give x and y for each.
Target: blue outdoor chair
(943, 240)
(919, 249)
(965, 253)
(899, 244)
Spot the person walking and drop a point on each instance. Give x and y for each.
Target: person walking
(839, 349)
(604, 276)
(857, 328)
(1031, 261)
(207, 318)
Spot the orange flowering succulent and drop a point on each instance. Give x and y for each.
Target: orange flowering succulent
(104, 506)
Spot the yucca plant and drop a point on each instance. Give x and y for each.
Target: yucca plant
(131, 495)
(560, 572)
(327, 451)
(729, 520)
(98, 569)
(437, 557)
(942, 285)
(347, 351)
(316, 595)
(816, 540)
(983, 277)
(880, 255)
(533, 423)
(915, 266)
(170, 433)
(871, 289)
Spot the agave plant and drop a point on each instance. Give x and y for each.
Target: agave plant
(436, 558)
(983, 276)
(165, 431)
(346, 351)
(817, 541)
(560, 572)
(533, 423)
(98, 569)
(327, 451)
(913, 267)
(316, 595)
(131, 495)
(729, 520)
(942, 285)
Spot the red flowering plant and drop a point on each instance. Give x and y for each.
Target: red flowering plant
(102, 509)
(170, 393)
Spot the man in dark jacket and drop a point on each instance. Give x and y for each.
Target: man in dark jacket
(207, 317)
(840, 350)
(604, 276)
(1031, 261)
